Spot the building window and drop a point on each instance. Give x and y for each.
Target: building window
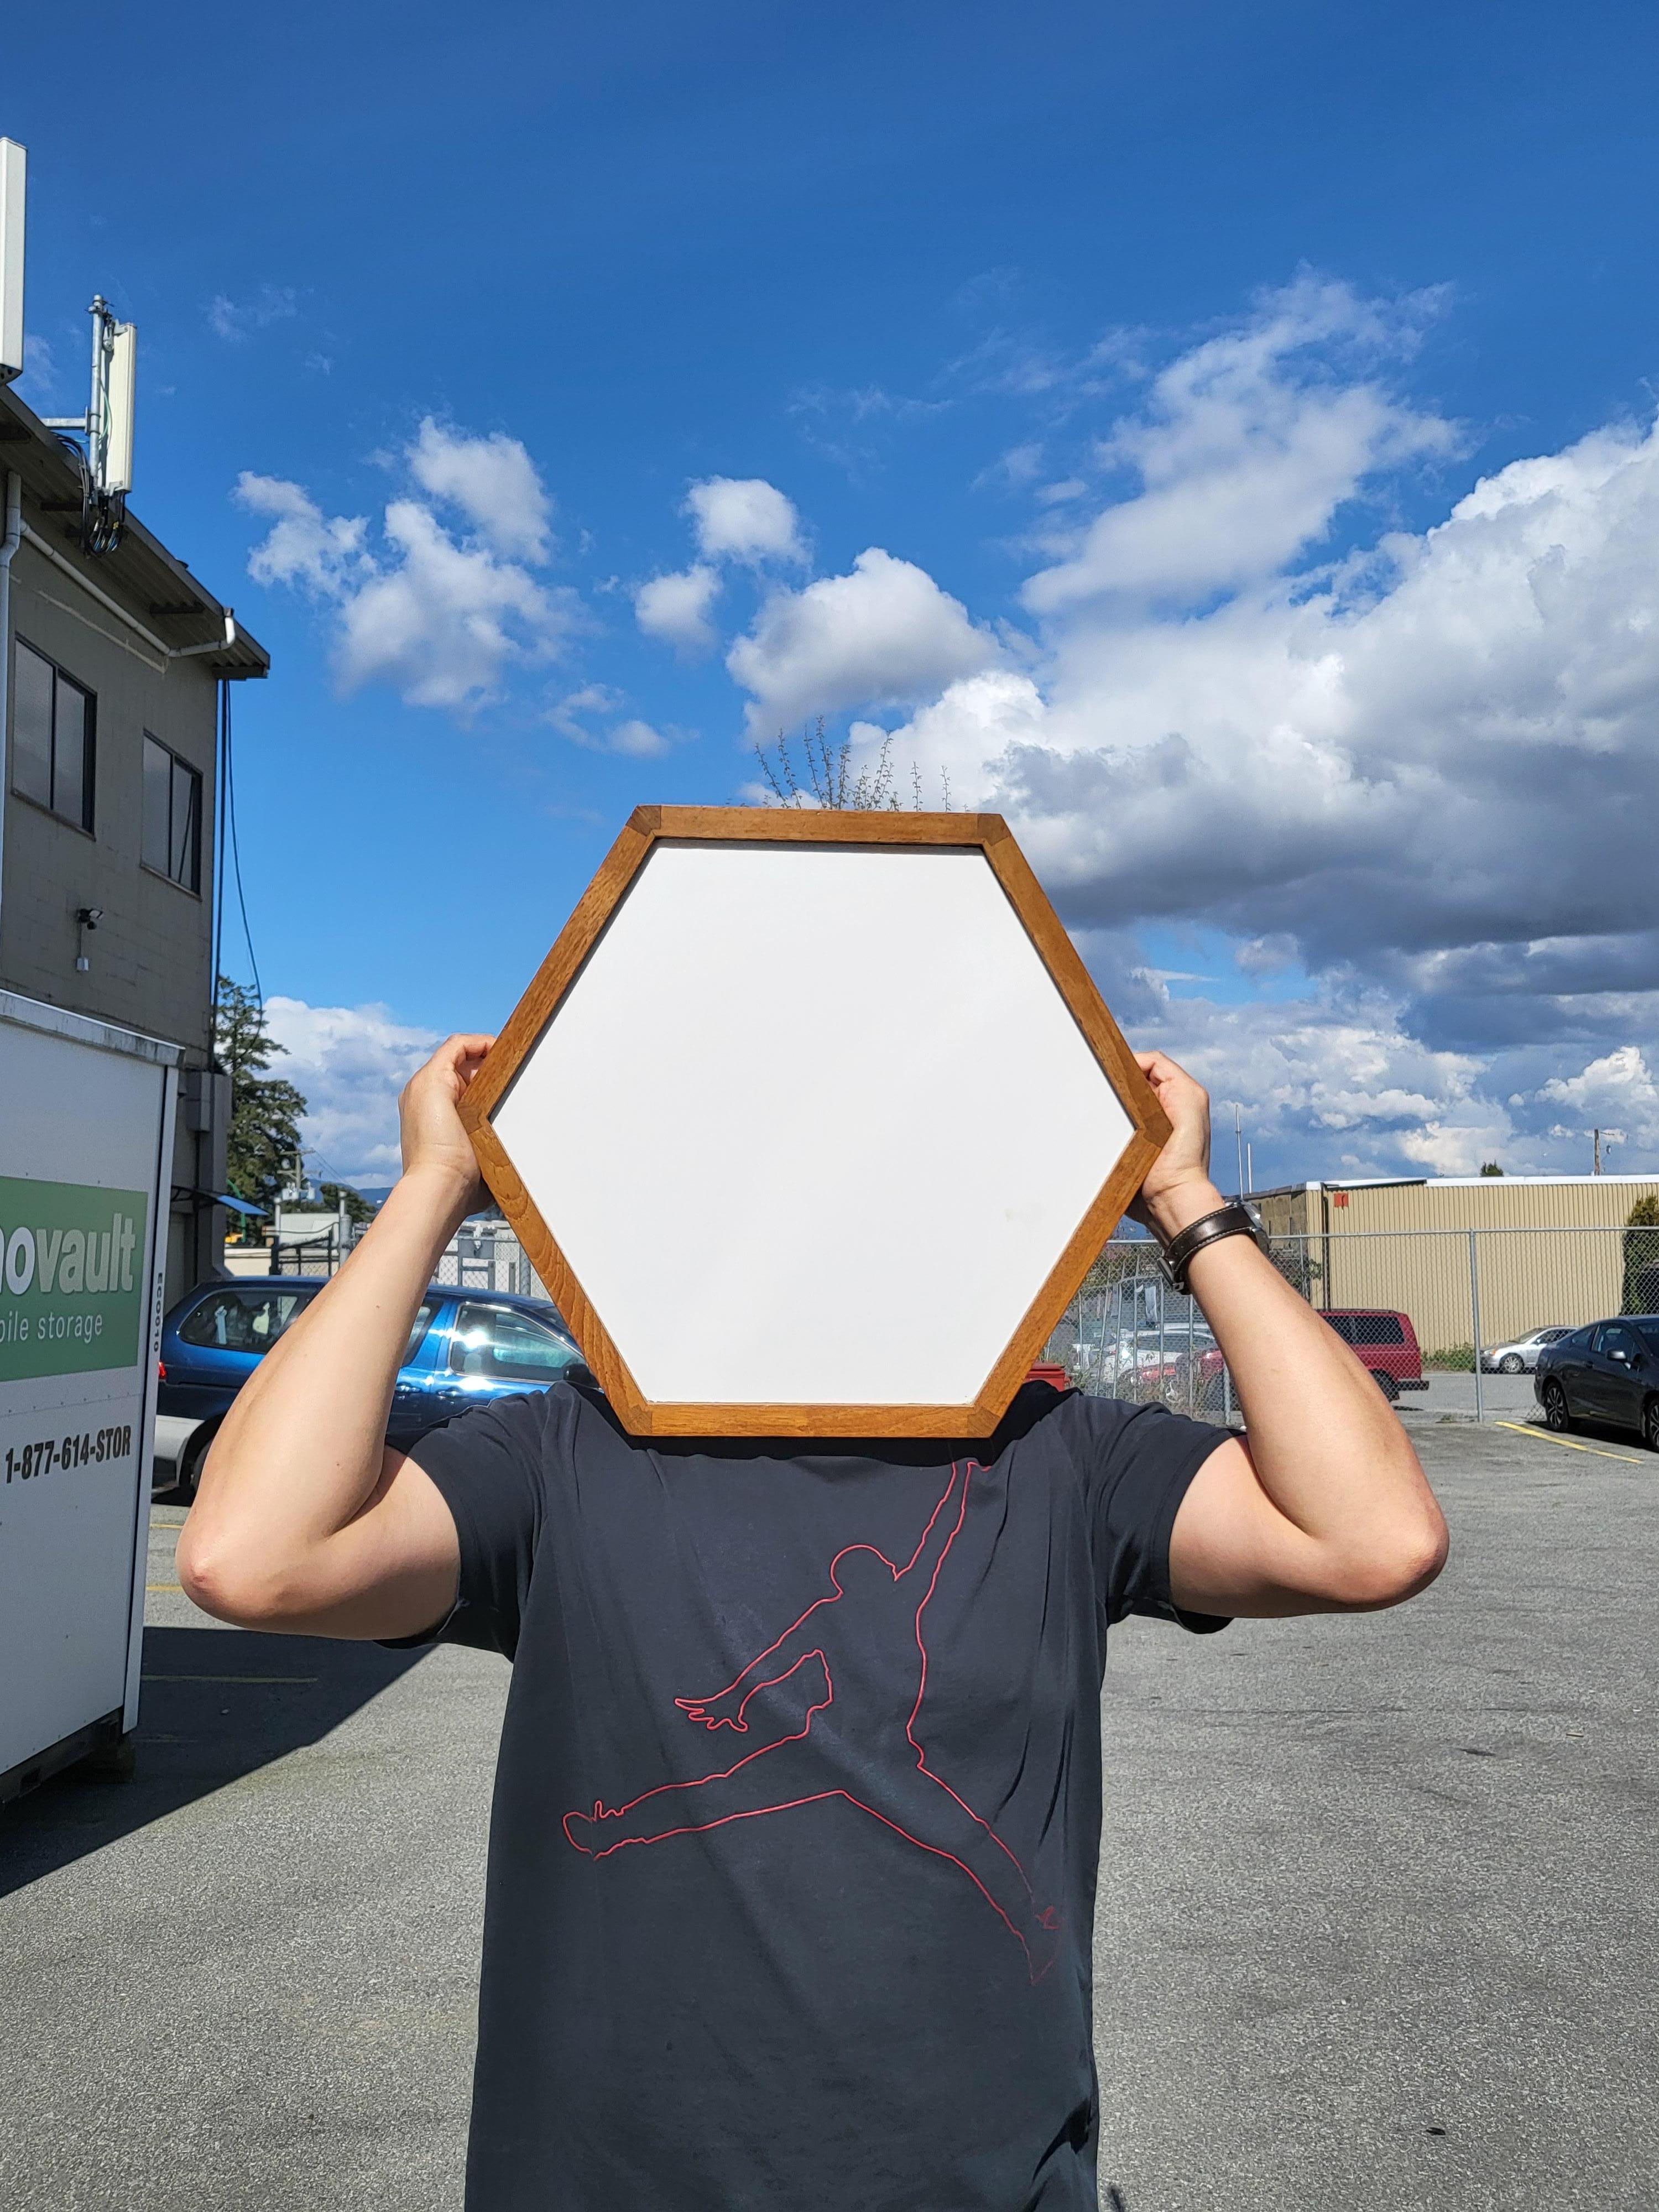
(52, 735)
(173, 816)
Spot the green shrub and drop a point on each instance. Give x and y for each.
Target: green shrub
(1452, 1358)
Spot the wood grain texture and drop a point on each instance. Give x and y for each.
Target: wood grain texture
(647, 826)
(807, 1424)
(811, 825)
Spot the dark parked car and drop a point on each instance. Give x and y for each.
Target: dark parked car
(1386, 1342)
(1606, 1372)
(465, 1347)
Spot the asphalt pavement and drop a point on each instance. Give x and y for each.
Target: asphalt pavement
(1377, 1924)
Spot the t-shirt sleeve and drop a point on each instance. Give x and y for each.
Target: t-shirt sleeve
(1143, 1458)
(488, 1466)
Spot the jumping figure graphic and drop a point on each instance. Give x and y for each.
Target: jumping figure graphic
(857, 1740)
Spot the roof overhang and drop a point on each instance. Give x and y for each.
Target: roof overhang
(156, 588)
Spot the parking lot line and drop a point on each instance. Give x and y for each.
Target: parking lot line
(150, 1586)
(1549, 1437)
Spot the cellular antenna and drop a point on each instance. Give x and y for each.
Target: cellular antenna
(111, 441)
(106, 429)
(14, 176)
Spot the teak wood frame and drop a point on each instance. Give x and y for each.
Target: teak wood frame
(651, 826)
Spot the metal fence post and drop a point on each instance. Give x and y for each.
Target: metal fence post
(1474, 1314)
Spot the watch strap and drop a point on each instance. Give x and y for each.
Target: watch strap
(1231, 1220)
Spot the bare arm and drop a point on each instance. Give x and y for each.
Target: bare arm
(305, 1519)
(1324, 1507)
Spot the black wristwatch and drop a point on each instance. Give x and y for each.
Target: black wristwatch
(1231, 1220)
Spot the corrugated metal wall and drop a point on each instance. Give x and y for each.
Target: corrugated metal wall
(1530, 1273)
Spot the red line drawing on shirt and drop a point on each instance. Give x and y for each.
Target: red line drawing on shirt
(868, 1637)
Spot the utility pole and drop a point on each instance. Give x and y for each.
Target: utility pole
(1238, 1140)
(1596, 1170)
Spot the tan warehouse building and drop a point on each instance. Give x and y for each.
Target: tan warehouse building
(1521, 1252)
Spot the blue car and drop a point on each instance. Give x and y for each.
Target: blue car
(465, 1348)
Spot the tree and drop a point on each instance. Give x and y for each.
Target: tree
(357, 1207)
(1490, 1168)
(1641, 1257)
(827, 778)
(264, 1110)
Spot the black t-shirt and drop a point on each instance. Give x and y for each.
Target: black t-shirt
(793, 1856)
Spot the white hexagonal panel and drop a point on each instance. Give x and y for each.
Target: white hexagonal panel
(812, 1125)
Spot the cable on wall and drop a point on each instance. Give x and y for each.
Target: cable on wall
(235, 849)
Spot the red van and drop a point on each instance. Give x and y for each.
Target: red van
(1387, 1343)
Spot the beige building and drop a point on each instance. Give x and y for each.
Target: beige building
(1533, 1250)
(110, 665)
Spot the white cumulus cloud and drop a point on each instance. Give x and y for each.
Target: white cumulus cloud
(1422, 764)
(348, 1064)
(1248, 446)
(675, 608)
(744, 519)
(494, 482)
(440, 611)
(884, 635)
(303, 545)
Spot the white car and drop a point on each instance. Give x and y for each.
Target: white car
(1520, 1357)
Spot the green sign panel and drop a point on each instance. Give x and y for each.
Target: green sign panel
(71, 1256)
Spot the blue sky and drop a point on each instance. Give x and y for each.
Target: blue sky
(1116, 376)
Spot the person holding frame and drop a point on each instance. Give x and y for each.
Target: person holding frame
(797, 1816)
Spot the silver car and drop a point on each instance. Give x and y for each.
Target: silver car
(1520, 1357)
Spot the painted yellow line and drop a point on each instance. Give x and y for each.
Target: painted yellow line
(178, 1586)
(1549, 1436)
(302, 1680)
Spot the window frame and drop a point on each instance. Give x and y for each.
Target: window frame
(85, 821)
(250, 1298)
(483, 1303)
(1366, 1327)
(176, 761)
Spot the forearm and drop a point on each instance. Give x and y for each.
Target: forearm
(300, 1453)
(1325, 1446)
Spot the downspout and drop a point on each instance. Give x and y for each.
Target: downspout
(9, 546)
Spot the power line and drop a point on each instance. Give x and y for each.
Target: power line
(236, 851)
(218, 926)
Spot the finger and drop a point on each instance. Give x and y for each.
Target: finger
(456, 1053)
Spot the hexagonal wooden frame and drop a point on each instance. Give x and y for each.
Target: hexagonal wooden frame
(988, 833)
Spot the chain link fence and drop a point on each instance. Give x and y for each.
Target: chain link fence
(1449, 1321)
(486, 1256)
(481, 1255)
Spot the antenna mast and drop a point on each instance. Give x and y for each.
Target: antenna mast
(107, 426)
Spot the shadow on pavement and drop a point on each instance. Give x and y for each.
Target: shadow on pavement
(217, 1705)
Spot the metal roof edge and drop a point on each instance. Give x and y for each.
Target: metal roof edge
(39, 456)
(86, 1029)
(1533, 1182)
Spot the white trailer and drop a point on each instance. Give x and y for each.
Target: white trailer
(86, 1140)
